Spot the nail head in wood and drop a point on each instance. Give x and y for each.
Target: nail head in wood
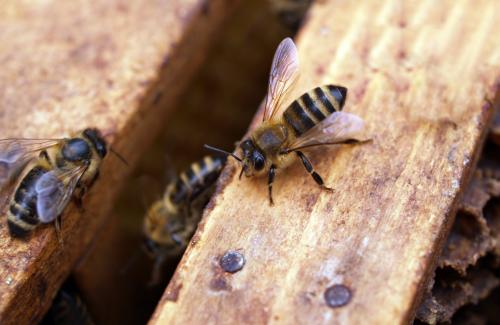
(232, 261)
(337, 295)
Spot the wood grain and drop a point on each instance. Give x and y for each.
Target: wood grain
(116, 65)
(419, 74)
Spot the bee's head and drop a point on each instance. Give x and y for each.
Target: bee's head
(253, 160)
(80, 147)
(97, 141)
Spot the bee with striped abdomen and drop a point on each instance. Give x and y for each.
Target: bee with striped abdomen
(313, 119)
(171, 221)
(49, 173)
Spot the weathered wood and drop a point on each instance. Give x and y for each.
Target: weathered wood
(465, 273)
(115, 65)
(419, 74)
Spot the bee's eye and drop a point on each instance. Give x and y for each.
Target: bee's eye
(246, 145)
(258, 161)
(96, 139)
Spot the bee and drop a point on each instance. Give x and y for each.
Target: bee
(171, 221)
(49, 173)
(314, 119)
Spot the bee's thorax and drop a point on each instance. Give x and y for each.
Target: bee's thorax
(270, 139)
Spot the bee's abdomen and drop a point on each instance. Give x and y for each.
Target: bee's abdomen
(22, 216)
(314, 106)
(197, 178)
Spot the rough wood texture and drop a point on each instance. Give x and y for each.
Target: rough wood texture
(419, 75)
(116, 65)
(466, 267)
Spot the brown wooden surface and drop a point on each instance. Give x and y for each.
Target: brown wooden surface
(418, 74)
(66, 65)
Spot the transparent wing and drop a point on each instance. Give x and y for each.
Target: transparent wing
(337, 128)
(15, 153)
(12, 150)
(54, 190)
(284, 71)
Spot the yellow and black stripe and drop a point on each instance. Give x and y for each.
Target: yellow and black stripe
(197, 178)
(22, 216)
(314, 106)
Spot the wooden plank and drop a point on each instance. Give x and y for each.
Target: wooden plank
(115, 65)
(418, 73)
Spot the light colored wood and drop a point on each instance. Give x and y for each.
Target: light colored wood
(418, 73)
(66, 65)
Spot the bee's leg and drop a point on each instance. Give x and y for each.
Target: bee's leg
(270, 180)
(310, 170)
(91, 183)
(189, 201)
(78, 196)
(78, 202)
(57, 224)
(156, 274)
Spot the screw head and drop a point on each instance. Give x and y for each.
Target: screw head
(232, 261)
(337, 295)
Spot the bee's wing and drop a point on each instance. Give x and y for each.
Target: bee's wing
(284, 71)
(54, 190)
(337, 128)
(15, 153)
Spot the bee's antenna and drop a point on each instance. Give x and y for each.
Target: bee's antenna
(242, 170)
(107, 134)
(118, 156)
(223, 151)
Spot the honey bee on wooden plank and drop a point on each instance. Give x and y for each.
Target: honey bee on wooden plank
(47, 173)
(314, 119)
(171, 221)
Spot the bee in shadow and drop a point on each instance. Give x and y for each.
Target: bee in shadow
(171, 221)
